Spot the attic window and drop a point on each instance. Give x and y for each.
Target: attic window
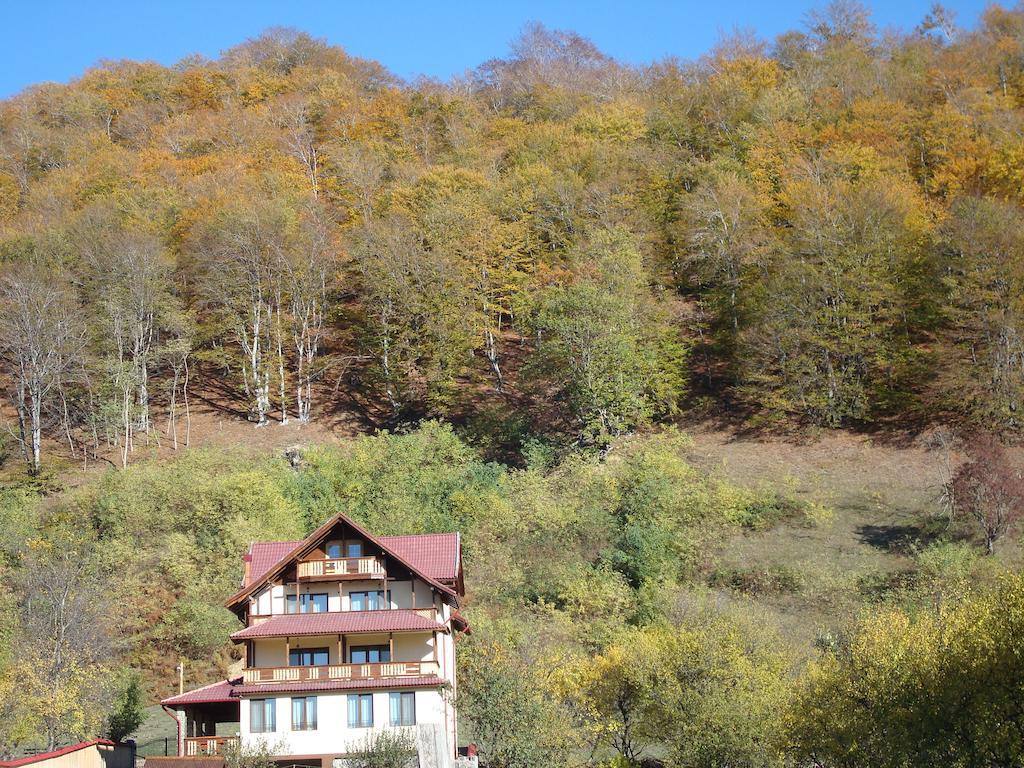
(339, 549)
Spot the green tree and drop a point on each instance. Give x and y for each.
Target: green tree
(128, 710)
(607, 345)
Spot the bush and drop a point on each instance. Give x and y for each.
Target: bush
(387, 749)
(767, 580)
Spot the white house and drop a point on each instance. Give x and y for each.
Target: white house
(345, 634)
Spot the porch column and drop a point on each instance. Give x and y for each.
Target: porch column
(179, 715)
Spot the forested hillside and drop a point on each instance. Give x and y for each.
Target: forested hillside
(823, 229)
(518, 285)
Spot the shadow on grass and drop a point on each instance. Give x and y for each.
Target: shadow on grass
(902, 539)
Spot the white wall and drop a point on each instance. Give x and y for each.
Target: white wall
(409, 646)
(271, 599)
(333, 736)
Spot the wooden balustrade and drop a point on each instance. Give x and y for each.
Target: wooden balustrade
(207, 745)
(366, 567)
(253, 675)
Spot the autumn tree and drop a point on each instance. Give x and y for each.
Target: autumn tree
(61, 665)
(988, 489)
(832, 338)
(244, 247)
(930, 688)
(985, 326)
(40, 337)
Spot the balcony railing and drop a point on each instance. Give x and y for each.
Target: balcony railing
(370, 567)
(208, 745)
(340, 672)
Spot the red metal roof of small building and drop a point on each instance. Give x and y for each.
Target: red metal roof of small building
(434, 554)
(28, 760)
(394, 620)
(215, 693)
(430, 681)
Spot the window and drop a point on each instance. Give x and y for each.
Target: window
(308, 657)
(339, 549)
(360, 710)
(304, 713)
(369, 601)
(262, 716)
(403, 708)
(306, 603)
(369, 654)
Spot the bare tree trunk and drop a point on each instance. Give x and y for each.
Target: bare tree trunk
(280, 366)
(172, 423)
(184, 397)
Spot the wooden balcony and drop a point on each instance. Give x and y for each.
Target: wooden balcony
(204, 746)
(395, 669)
(342, 568)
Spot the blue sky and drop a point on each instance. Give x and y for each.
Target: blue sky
(42, 41)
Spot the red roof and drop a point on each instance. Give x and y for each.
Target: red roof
(394, 620)
(215, 693)
(55, 753)
(267, 554)
(433, 554)
(431, 681)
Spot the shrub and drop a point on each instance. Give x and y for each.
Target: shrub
(767, 580)
(387, 749)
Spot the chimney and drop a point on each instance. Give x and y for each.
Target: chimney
(247, 559)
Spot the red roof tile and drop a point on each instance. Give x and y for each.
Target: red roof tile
(267, 554)
(394, 620)
(434, 554)
(209, 694)
(343, 685)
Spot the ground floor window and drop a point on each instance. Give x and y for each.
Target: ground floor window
(262, 715)
(360, 710)
(403, 708)
(304, 713)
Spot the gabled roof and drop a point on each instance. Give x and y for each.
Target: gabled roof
(345, 622)
(434, 554)
(317, 537)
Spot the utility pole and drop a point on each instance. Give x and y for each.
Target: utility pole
(181, 677)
